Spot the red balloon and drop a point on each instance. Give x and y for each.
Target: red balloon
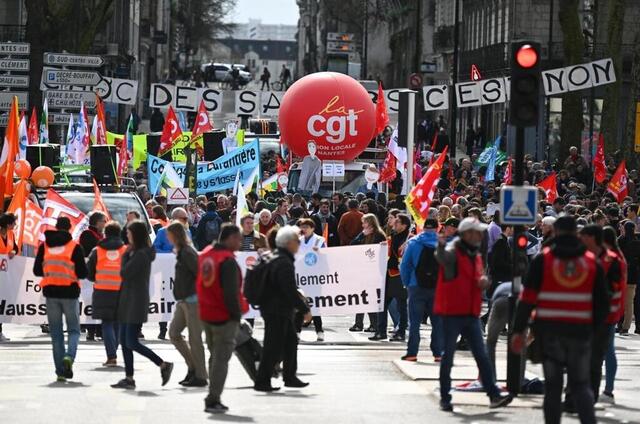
(22, 169)
(42, 176)
(331, 109)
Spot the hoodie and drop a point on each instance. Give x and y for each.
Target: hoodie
(55, 239)
(428, 239)
(104, 302)
(201, 231)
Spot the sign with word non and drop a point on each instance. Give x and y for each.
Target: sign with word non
(67, 99)
(333, 169)
(518, 205)
(14, 65)
(6, 97)
(71, 77)
(578, 77)
(66, 59)
(14, 81)
(15, 48)
(177, 196)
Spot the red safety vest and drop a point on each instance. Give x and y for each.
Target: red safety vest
(108, 269)
(566, 293)
(9, 246)
(461, 295)
(208, 287)
(616, 307)
(58, 266)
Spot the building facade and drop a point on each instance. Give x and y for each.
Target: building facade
(256, 30)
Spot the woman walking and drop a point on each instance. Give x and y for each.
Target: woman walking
(186, 312)
(133, 304)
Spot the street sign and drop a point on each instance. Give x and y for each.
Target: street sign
(6, 97)
(65, 59)
(177, 196)
(518, 205)
(63, 118)
(62, 99)
(340, 47)
(14, 81)
(415, 81)
(339, 36)
(475, 73)
(69, 77)
(14, 65)
(15, 48)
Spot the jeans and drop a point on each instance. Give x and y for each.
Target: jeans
(186, 315)
(610, 361)
(56, 309)
(129, 340)
(221, 341)
(383, 316)
(395, 313)
(471, 330)
(110, 334)
(421, 301)
(560, 352)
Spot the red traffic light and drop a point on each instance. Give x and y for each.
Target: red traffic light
(527, 56)
(522, 241)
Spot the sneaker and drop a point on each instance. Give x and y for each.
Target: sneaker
(4, 338)
(265, 388)
(446, 406)
(189, 376)
(165, 372)
(110, 363)
(398, 337)
(355, 328)
(297, 383)
(607, 397)
(370, 329)
(61, 379)
(624, 333)
(410, 358)
(67, 366)
(125, 383)
(195, 382)
(637, 331)
(162, 335)
(320, 335)
(44, 328)
(500, 401)
(215, 407)
(377, 337)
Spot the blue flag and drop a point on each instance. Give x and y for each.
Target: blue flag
(491, 167)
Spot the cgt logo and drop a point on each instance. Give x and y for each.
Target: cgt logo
(334, 128)
(370, 254)
(3, 265)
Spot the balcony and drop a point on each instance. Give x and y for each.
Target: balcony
(15, 33)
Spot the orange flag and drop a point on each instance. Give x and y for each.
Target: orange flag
(98, 203)
(17, 207)
(9, 152)
(382, 116)
(419, 198)
(618, 185)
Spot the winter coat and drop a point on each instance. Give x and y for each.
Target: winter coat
(133, 303)
(184, 284)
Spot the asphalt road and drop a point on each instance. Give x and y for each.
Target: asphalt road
(352, 381)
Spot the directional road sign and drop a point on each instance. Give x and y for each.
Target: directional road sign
(518, 205)
(65, 59)
(14, 81)
(6, 97)
(69, 77)
(63, 118)
(62, 99)
(15, 48)
(14, 65)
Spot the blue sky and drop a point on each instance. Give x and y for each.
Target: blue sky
(270, 11)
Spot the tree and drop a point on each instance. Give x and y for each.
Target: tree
(573, 46)
(57, 25)
(611, 104)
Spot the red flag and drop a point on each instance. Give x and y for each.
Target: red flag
(549, 185)
(618, 185)
(382, 116)
(101, 131)
(508, 174)
(599, 165)
(388, 172)
(56, 206)
(170, 132)
(98, 203)
(33, 137)
(202, 124)
(434, 141)
(123, 156)
(280, 168)
(420, 197)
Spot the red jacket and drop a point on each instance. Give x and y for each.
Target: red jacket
(462, 295)
(617, 286)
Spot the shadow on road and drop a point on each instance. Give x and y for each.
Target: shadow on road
(231, 418)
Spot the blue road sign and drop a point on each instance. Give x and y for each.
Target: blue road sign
(518, 205)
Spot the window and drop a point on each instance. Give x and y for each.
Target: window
(265, 63)
(265, 48)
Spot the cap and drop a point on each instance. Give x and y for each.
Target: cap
(452, 222)
(471, 224)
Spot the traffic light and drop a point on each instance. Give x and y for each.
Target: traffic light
(521, 241)
(525, 83)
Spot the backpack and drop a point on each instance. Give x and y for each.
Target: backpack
(427, 269)
(212, 230)
(255, 279)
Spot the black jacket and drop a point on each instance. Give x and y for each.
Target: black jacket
(334, 240)
(501, 261)
(133, 302)
(630, 247)
(184, 284)
(281, 296)
(104, 302)
(89, 239)
(564, 247)
(54, 239)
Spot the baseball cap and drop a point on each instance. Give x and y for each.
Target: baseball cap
(471, 224)
(452, 222)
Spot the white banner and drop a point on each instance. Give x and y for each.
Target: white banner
(336, 281)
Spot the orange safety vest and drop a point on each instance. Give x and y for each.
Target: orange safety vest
(108, 269)
(58, 266)
(7, 247)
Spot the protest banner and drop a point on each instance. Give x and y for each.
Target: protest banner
(336, 281)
